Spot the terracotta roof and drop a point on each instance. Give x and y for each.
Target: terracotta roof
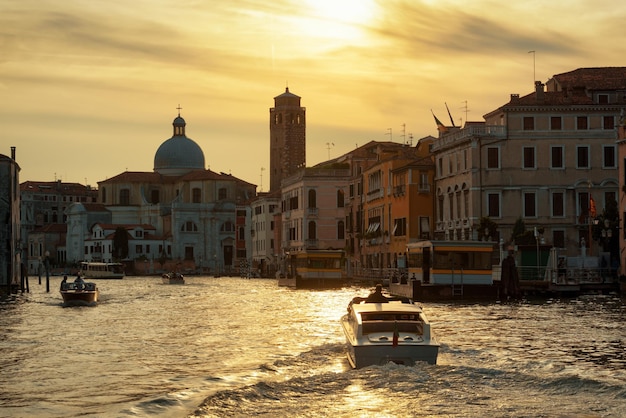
(52, 228)
(56, 187)
(95, 207)
(136, 177)
(125, 226)
(601, 78)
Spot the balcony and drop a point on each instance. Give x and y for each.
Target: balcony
(312, 211)
(423, 188)
(399, 190)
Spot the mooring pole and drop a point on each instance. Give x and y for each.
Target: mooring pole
(47, 272)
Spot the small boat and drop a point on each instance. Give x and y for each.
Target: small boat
(99, 270)
(395, 331)
(79, 293)
(173, 278)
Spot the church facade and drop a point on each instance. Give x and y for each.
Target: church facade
(192, 211)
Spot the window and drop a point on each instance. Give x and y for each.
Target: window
(555, 123)
(312, 199)
(581, 123)
(189, 226)
(529, 158)
(493, 205)
(556, 156)
(196, 195)
(603, 98)
(558, 238)
(227, 226)
(530, 208)
(399, 227)
(341, 230)
(221, 193)
(312, 230)
(529, 123)
(493, 157)
(608, 156)
(609, 122)
(242, 233)
(154, 196)
(558, 204)
(125, 197)
(340, 198)
(582, 159)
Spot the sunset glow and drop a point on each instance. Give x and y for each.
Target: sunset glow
(90, 89)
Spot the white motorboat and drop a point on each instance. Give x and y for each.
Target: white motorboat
(397, 331)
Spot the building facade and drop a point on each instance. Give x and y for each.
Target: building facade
(45, 203)
(542, 158)
(11, 245)
(194, 211)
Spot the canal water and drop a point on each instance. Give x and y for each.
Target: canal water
(222, 347)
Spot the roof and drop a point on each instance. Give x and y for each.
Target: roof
(599, 78)
(56, 187)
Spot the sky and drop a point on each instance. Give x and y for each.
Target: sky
(90, 88)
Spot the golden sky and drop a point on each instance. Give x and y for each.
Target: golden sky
(90, 88)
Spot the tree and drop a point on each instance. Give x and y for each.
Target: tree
(120, 243)
(487, 229)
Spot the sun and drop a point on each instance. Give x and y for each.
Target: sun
(339, 19)
(345, 11)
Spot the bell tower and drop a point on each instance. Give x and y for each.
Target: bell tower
(287, 138)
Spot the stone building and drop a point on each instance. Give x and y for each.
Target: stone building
(540, 158)
(11, 246)
(45, 203)
(193, 210)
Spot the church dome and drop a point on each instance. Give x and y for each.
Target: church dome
(179, 154)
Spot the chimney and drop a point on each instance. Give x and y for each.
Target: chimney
(539, 91)
(514, 98)
(13, 153)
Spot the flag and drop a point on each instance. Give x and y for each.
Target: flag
(396, 334)
(450, 114)
(592, 207)
(440, 126)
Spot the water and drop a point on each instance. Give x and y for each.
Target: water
(219, 347)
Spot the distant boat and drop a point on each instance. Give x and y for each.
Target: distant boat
(99, 270)
(173, 278)
(79, 293)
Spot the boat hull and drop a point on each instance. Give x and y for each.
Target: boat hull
(379, 351)
(79, 298)
(379, 355)
(173, 280)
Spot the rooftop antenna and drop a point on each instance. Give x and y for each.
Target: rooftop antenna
(390, 134)
(466, 110)
(328, 145)
(534, 72)
(403, 133)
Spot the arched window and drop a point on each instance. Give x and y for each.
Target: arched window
(312, 199)
(340, 230)
(312, 230)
